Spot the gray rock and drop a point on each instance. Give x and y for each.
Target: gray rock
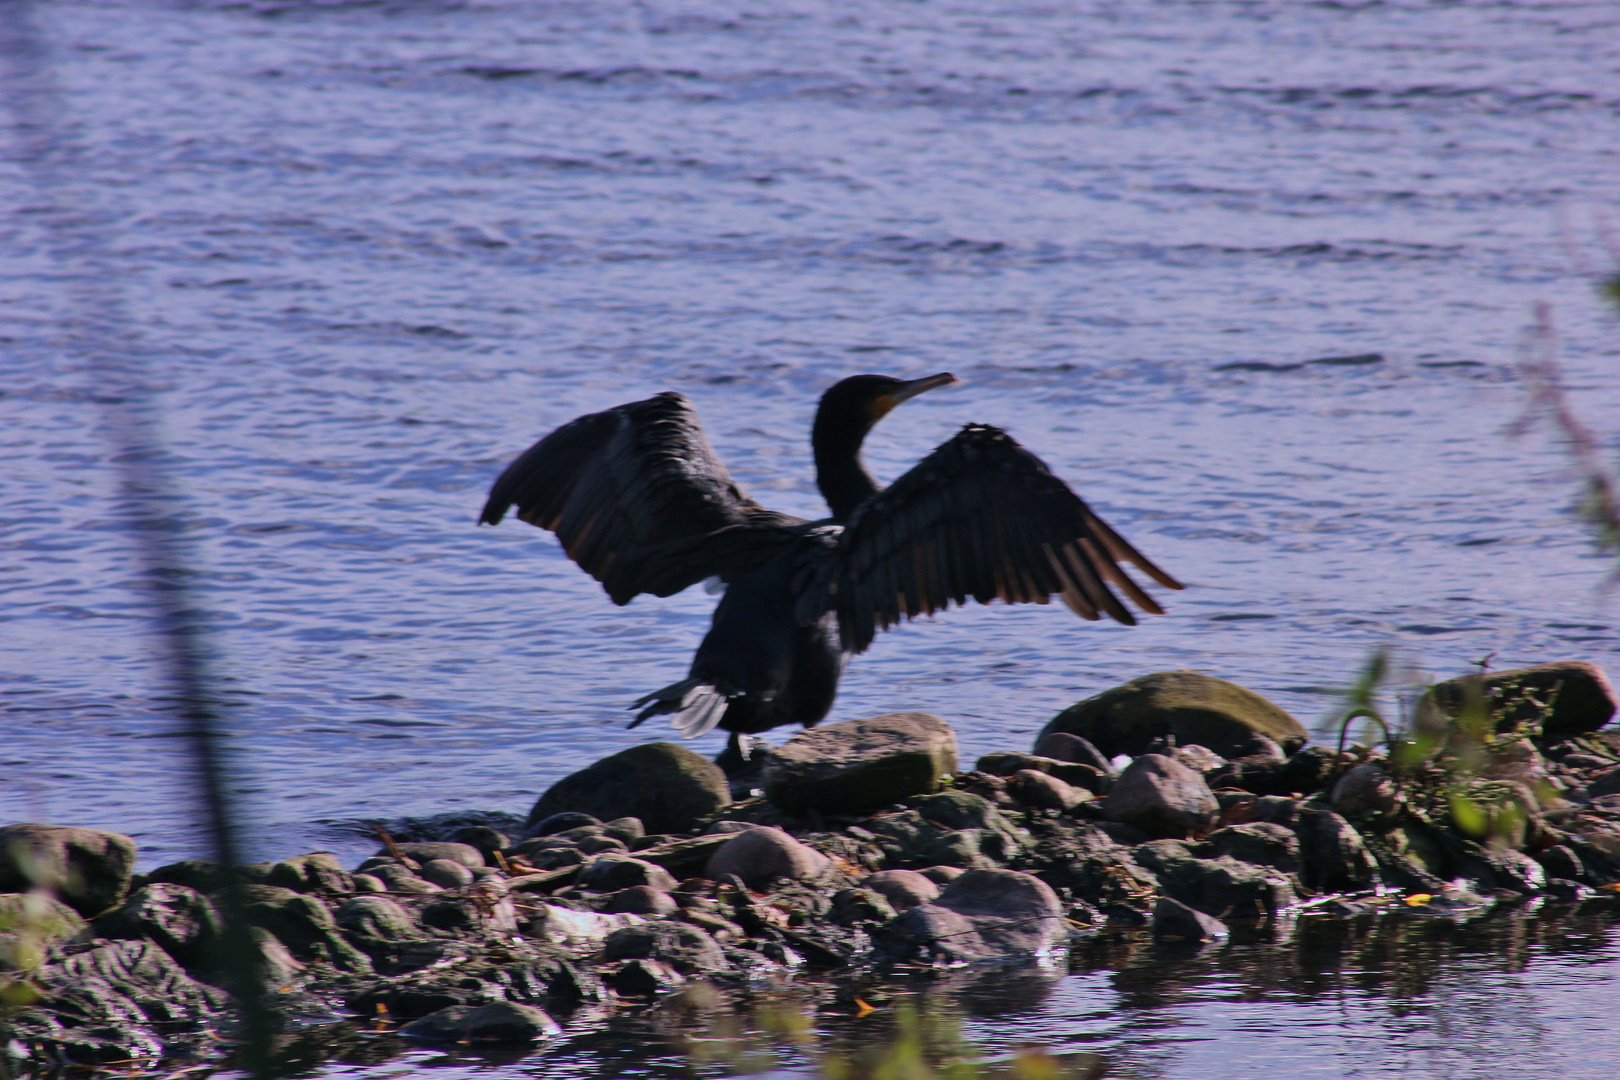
(499, 1023)
(302, 923)
(205, 877)
(365, 883)
(720, 828)
(668, 787)
(626, 830)
(446, 873)
(563, 822)
(601, 845)
(1063, 746)
(1585, 700)
(610, 873)
(1335, 857)
(1162, 797)
(369, 865)
(1605, 784)
(1009, 763)
(639, 900)
(686, 948)
(318, 872)
(1042, 791)
(486, 839)
(1175, 921)
(645, 978)
(400, 880)
(902, 888)
(1200, 759)
(860, 764)
(1259, 843)
(942, 875)
(763, 855)
(982, 915)
(376, 917)
(426, 851)
(1364, 790)
(183, 922)
(1189, 707)
(862, 907)
(1220, 886)
(87, 869)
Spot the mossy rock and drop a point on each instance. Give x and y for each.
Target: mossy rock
(861, 764)
(1581, 697)
(1195, 709)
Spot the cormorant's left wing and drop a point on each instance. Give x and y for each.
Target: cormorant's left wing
(980, 517)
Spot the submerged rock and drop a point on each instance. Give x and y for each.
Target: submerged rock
(1176, 922)
(686, 948)
(497, 1023)
(982, 915)
(1162, 797)
(668, 787)
(860, 764)
(1184, 705)
(87, 869)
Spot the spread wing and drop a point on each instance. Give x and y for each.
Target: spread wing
(980, 517)
(639, 500)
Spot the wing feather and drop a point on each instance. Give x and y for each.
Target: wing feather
(980, 517)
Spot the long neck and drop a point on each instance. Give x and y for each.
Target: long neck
(843, 480)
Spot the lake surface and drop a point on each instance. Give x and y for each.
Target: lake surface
(364, 253)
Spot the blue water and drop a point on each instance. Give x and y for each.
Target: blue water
(362, 254)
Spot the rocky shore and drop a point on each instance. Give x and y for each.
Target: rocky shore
(1176, 808)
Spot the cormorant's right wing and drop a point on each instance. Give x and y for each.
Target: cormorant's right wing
(635, 494)
(981, 517)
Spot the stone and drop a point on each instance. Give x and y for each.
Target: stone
(1042, 791)
(1605, 784)
(446, 873)
(600, 845)
(499, 1023)
(563, 822)
(763, 855)
(1222, 886)
(862, 907)
(372, 864)
(400, 880)
(205, 877)
(87, 869)
(860, 764)
(612, 872)
(1585, 700)
(942, 875)
(645, 978)
(1200, 759)
(639, 900)
(318, 872)
(721, 828)
(669, 787)
(1174, 921)
(982, 915)
(425, 851)
(365, 883)
(376, 917)
(1184, 705)
(31, 920)
(302, 923)
(1259, 843)
(180, 920)
(1335, 857)
(486, 839)
(1065, 746)
(1363, 791)
(626, 830)
(688, 949)
(1162, 797)
(1008, 763)
(902, 888)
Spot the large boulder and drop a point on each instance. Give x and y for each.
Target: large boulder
(669, 787)
(982, 915)
(861, 764)
(89, 870)
(1190, 707)
(1162, 797)
(1581, 696)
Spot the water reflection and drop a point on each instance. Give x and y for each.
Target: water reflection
(1522, 992)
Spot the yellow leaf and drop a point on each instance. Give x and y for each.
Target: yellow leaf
(865, 1009)
(1419, 899)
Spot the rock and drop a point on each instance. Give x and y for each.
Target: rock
(953, 828)
(601, 845)
(1008, 763)
(1200, 759)
(372, 864)
(610, 873)
(862, 907)
(688, 949)
(1221, 886)
(376, 917)
(563, 822)
(304, 924)
(1063, 746)
(626, 830)
(942, 875)
(1584, 702)
(860, 764)
(205, 877)
(1335, 857)
(425, 852)
(982, 915)
(640, 900)
(365, 883)
(1364, 790)
(1162, 797)
(182, 921)
(446, 873)
(1606, 784)
(1184, 705)
(577, 929)
(504, 1023)
(1560, 861)
(486, 839)
(763, 855)
(902, 888)
(41, 918)
(400, 880)
(1175, 921)
(87, 869)
(1041, 791)
(319, 872)
(669, 787)
(1259, 843)
(721, 828)
(645, 978)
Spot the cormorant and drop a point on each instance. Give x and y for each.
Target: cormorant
(640, 501)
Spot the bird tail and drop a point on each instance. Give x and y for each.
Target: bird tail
(696, 707)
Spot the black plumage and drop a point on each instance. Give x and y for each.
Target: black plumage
(640, 501)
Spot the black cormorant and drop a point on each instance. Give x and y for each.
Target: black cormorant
(640, 501)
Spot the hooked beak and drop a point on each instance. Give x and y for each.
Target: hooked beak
(908, 390)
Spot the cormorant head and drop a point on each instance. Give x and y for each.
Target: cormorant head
(846, 413)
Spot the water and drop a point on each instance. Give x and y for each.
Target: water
(365, 253)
